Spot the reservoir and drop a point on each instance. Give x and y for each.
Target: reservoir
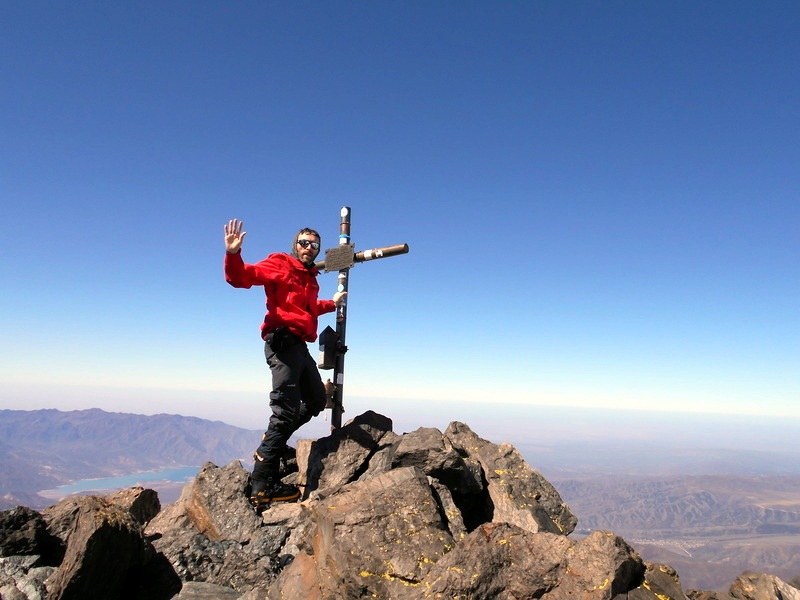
(170, 475)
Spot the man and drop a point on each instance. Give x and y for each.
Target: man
(290, 284)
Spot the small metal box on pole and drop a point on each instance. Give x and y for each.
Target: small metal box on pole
(328, 348)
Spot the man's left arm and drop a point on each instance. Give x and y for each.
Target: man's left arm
(326, 306)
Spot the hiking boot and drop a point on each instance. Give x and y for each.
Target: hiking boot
(273, 492)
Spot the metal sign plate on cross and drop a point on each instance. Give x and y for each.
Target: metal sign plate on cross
(340, 257)
(332, 343)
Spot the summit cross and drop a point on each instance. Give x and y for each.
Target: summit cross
(332, 343)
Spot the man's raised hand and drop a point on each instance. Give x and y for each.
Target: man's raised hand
(234, 236)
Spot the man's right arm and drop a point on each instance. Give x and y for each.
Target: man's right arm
(235, 272)
(234, 236)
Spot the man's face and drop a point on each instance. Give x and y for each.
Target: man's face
(309, 253)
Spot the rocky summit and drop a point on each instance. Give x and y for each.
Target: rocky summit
(423, 515)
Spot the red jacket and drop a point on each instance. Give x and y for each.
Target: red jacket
(291, 290)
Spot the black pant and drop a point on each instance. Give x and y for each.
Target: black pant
(297, 395)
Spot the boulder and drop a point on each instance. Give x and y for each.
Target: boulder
(98, 547)
(197, 590)
(761, 586)
(661, 582)
(601, 565)
(381, 510)
(218, 505)
(105, 548)
(301, 579)
(212, 535)
(430, 451)
(293, 519)
(451, 514)
(503, 561)
(143, 504)
(24, 532)
(374, 538)
(21, 578)
(518, 494)
(751, 586)
(343, 456)
(498, 560)
(381, 459)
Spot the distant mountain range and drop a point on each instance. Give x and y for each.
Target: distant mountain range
(42, 449)
(712, 505)
(712, 526)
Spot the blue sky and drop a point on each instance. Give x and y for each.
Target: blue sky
(601, 200)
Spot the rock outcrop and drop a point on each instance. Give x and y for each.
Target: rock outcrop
(92, 547)
(423, 515)
(752, 586)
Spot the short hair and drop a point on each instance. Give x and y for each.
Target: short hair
(301, 232)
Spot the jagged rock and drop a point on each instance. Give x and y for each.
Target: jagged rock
(21, 531)
(218, 505)
(196, 590)
(498, 560)
(428, 449)
(173, 516)
(211, 534)
(601, 552)
(101, 538)
(344, 455)
(374, 538)
(61, 517)
(228, 563)
(381, 459)
(24, 531)
(294, 518)
(459, 486)
(415, 516)
(104, 548)
(751, 586)
(504, 561)
(661, 582)
(143, 504)
(299, 580)
(331, 542)
(22, 579)
(450, 511)
(761, 586)
(519, 494)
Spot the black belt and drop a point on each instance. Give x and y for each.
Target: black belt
(281, 339)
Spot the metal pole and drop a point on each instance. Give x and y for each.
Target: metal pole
(384, 252)
(341, 326)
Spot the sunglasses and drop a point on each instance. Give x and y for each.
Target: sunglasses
(307, 243)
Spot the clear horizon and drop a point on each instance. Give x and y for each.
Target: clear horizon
(521, 424)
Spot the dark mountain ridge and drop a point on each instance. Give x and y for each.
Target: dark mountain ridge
(43, 449)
